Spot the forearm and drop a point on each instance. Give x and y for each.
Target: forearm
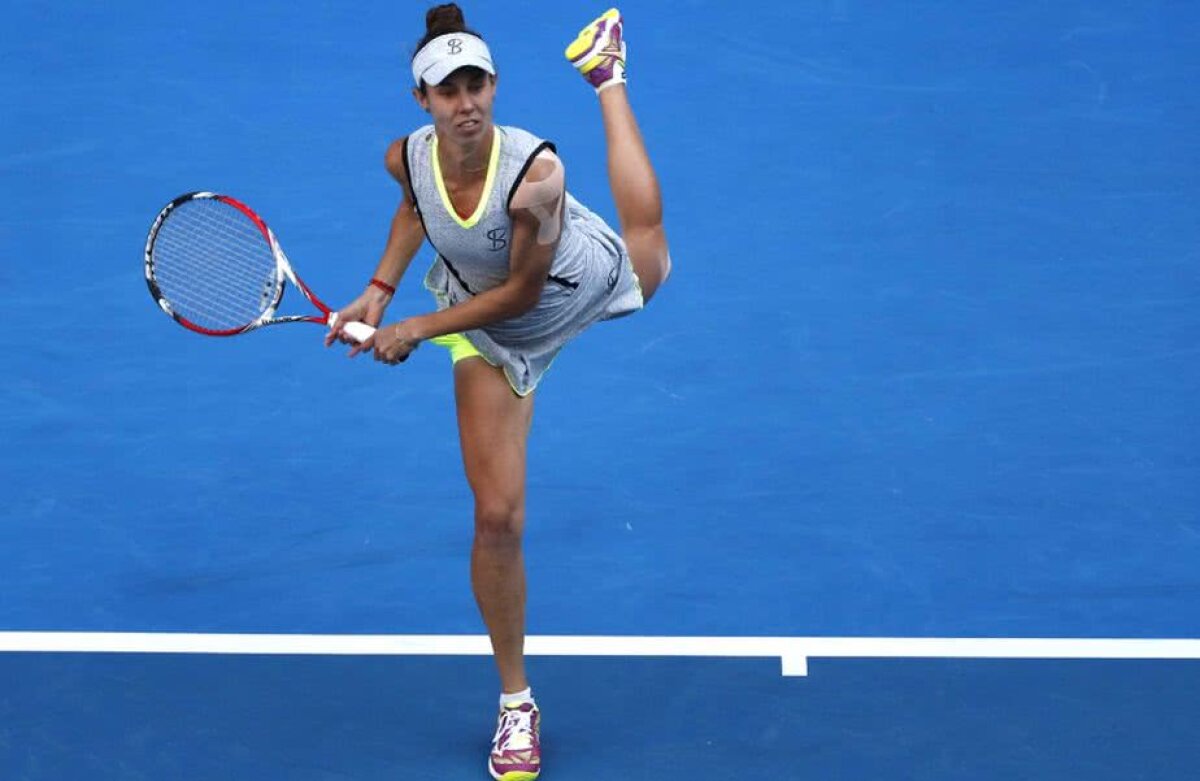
(509, 300)
(404, 239)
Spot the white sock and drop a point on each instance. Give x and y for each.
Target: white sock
(516, 698)
(614, 81)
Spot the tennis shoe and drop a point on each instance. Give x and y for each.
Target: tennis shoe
(516, 748)
(598, 52)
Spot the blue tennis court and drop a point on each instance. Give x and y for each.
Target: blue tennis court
(927, 367)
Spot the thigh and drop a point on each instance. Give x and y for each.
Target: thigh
(493, 428)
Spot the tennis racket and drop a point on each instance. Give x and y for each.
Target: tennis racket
(214, 266)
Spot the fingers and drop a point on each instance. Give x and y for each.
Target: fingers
(356, 311)
(393, 354)
(391, 350)
(334, 334)
(337, 328)
(361, 347)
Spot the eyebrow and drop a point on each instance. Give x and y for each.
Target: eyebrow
(471, 82)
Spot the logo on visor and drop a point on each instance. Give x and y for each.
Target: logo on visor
(455, 45)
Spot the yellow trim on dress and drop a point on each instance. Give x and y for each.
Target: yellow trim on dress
(493, 166)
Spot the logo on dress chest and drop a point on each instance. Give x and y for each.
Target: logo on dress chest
(499, 238)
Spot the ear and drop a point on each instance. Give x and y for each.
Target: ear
(422, 100)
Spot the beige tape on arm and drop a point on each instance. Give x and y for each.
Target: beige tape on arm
(542, 194)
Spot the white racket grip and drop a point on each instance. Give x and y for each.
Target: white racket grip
(359, 332)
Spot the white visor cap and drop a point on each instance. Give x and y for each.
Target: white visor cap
(446, 54)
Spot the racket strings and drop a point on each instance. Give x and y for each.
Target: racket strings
(213, 266)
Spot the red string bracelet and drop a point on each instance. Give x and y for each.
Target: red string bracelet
(379, 283)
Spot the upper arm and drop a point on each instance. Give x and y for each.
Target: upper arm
(397, 166)
(536, 210)
(407, 231)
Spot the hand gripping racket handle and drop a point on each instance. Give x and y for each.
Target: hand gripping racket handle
(359, 332)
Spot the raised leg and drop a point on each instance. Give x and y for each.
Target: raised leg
(635, 190)
(598, 53)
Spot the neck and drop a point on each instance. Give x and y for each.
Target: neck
(459, 160)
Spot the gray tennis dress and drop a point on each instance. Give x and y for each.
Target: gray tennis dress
(590, 279)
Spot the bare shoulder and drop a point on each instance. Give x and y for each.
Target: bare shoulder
(543, 182)
(394, 160)
(545, 165)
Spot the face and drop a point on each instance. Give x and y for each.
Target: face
(461, 106)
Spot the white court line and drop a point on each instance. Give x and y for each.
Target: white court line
(793, 652)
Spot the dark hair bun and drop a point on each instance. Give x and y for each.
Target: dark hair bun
(442, 19)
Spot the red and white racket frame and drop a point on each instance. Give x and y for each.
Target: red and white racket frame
(356, 330)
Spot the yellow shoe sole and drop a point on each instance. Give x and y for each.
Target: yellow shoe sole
(582, 44)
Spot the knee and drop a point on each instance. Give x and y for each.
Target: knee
(648, 238)
(499, 521)
(650, 256)
(653, 273)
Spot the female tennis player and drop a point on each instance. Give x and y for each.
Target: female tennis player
(521, 268)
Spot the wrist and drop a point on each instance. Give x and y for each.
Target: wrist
(382, 286)
(419, 328)
(376, 296)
